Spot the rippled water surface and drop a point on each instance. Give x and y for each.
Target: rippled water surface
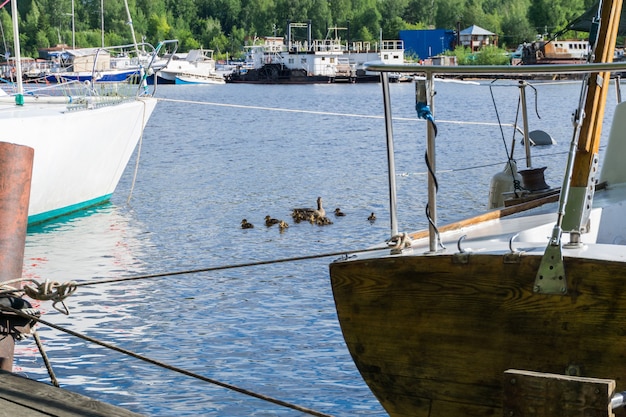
(213, 155)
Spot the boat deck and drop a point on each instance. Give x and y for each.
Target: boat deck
(21, 396)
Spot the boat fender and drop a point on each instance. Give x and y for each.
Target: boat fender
(503, 182)
(539, 138)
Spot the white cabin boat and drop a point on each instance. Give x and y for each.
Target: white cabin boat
(195, 67)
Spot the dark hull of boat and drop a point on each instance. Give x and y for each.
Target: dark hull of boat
(278, 74)
(433, 335)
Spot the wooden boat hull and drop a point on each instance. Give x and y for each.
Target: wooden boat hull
(433, 335)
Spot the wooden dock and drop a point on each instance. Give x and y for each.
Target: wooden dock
(21, 396)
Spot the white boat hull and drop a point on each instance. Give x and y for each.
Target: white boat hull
(80, 155)
(199, 79)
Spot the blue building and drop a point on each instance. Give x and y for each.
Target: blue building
(427, 42)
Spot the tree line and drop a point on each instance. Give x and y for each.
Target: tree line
(227, 25)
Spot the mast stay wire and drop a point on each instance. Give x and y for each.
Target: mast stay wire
(323, 113)
(511, 160)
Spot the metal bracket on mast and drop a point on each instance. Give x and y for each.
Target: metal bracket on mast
(550, 278)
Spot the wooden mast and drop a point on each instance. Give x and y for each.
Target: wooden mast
(586, 159)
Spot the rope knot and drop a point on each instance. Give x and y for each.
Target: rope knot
(52, 291)
(400, 242)
(423, 111)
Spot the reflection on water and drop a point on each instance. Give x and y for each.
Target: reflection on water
(67, 246)
(270, 329)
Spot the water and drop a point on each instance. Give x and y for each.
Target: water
(202, 168)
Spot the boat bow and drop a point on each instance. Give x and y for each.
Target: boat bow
(433, 322)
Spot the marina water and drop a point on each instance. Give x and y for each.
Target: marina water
(214, 155)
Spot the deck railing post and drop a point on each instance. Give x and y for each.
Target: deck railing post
(393, 207)
(431, 158)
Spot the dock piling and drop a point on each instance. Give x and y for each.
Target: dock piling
(16, 164)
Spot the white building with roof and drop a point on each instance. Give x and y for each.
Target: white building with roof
(475, 37)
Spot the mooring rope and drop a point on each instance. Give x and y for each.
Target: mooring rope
(167, 366)
(137, 159)
(44, 356)
(233, 266)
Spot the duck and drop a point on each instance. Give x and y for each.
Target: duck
(372, 217)
(269, 221)
(246, 225)
(320, 212)
(339, 213)
(282, 225)
(300, 214)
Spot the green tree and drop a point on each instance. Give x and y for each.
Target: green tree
(392, 27)
(417, 11)
(449, 12)
(227, 12)
(259, 17)
(550, 16)
(367, 20)
(340, 11)
(185, 10)
(158, 28)
(515, 27)
(491, 55)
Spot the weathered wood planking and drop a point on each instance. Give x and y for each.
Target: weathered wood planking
(437, 335)
(535, 394)
(21, 396)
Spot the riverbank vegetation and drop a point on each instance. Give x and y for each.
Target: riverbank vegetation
(227, 25)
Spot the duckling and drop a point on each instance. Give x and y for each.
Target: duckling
(270, 221)
(372, 218)
(282, 225)
(246, 225)
(323, 221)
(298, 216)
(339, 213)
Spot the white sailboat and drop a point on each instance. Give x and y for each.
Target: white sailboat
(83, 138)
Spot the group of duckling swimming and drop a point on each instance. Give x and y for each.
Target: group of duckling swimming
(314, 216)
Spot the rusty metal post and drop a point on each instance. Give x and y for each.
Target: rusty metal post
(16, 164)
